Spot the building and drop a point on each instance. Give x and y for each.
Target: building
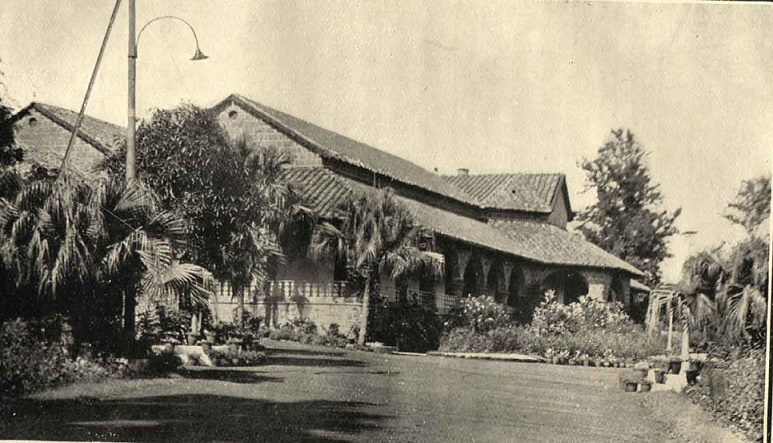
(502, 235)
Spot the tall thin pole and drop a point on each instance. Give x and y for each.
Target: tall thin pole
(85, 102)
(132, 93)
(129, 295)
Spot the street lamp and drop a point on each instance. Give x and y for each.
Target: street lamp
(134, 40)
(129, 301)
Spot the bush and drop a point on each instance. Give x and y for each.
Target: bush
(409, 326)
(551, 317)
(232, 357)
(32, 357)
(482, 314)
(734, 391)
(28, 361)
(163, 362)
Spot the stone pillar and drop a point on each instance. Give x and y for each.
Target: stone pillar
(485, 264)
(598, 284)
(457, 272)
(504, 282)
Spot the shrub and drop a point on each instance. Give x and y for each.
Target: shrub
(480, 313)
(734, 391)
(232, 357)
(28, 360)
(32, 357)
(551, 317)
(163, 362)
(409, 326)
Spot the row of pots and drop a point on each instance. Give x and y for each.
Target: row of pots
(587, 362)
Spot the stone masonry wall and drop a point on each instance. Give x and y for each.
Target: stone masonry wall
(240, 123)
(45, 141)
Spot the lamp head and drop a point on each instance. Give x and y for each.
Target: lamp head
(199, 55)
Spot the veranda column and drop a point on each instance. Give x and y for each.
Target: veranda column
(485, 264)
(457, 272)
(504, 282)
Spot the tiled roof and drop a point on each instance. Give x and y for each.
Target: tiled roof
(329, 144)
(98, 133)
(540, 242)
(519, 191)
(551, 244)
(321, 189)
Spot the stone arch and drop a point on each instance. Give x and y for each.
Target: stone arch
(472, 277)
(568, 285)
(617, 290)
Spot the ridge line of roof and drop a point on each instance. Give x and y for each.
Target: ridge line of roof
(238, 98)
(42, 108)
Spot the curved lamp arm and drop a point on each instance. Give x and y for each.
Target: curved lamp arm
(197, 56)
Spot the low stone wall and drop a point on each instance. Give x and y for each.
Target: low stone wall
(344, 311)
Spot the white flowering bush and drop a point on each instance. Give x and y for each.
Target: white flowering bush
(482, 314)
(585, 330)
(552, 317)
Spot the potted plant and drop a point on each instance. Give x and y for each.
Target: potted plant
(629, 384)
(674, 365)
(660, 375)
(646, 385)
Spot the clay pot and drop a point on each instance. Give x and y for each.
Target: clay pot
(646, 387)
(630, 387)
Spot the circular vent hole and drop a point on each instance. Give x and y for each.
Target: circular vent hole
(33, 121)
(232, 114)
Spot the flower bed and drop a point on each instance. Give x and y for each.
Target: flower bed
(587, 332)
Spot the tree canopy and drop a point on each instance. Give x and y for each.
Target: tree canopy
(626, 219)
(751, 207)
(230, 193)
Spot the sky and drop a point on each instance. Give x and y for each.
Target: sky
(488, 86)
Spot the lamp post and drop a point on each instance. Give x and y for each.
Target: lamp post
(134, 40)
(131, 134)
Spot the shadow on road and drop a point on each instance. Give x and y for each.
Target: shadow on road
(197, 417)
(331, 353)
(229, 375)
(289, 360)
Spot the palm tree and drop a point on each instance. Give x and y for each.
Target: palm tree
(375, 235)
(273, 219)
(75, 245)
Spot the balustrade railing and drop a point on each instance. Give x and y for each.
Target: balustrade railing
(288, 289)
(291, 289)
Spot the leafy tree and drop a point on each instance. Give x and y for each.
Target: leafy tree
(626, 220)
(9, 153)
(231, 194)
(751, 207)
(74, 247)
(376, 235)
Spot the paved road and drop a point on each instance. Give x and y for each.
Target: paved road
(311, 393)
